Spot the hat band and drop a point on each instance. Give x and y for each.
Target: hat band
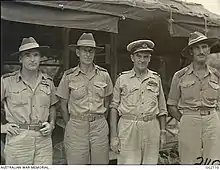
(142, 49)
(89, 43)
(28, 46)
(197, 39)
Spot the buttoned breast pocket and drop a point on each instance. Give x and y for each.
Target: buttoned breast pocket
(212, 91)
(153, 87)
(45, 93)
(187, 89)
(17, 96)
(77, 90)
(130, 94)
(100, 88)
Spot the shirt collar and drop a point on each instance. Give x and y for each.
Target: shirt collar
(149, 73)
(78, 70)
(191, 69)
(19, 76)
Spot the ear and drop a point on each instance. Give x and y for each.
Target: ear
(209, 50)
(190, 51)
(20, 61)
(132, 57)
(77, 52)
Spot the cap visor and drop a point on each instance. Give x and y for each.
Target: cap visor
(143, 50)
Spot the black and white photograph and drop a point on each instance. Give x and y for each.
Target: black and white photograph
(110, 82)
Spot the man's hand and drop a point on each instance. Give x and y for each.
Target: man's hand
(115, 144)
(47, 129)
(162, 138)
(10, 129)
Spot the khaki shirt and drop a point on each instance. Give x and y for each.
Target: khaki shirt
(23, 104)
(189, 92)
(133, 96)
(85, 95)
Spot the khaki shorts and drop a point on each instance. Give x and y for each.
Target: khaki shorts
(28, 148)
(87, 142)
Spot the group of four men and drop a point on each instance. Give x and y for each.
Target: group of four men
(84, 92)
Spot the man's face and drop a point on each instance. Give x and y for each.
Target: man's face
(200, 52)
(141, 60)
(86, 55)
(30, 59)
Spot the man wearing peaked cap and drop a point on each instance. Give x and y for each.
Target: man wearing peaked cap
(84, 92)
(193, 100)
(139, 102)
(29, 101)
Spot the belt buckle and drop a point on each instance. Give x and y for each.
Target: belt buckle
(203, 112)
(145, 118)
(91, 118)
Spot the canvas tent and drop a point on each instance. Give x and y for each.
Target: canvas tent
(103, 15)
(115, 23)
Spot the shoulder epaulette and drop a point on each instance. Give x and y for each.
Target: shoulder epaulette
(67, 72)
(9, 74)
(48, 77)
(155, 73)
(181, 72)
(215, 71)
(101, 68)
(125, 72)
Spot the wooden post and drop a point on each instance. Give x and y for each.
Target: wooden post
(113, 57)
(2, 64)
(65, 44)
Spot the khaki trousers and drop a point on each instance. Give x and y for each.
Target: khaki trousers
(199, 136)
(28, 148)
(139, 141)
(87, 142)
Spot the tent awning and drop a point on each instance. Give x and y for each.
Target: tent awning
(42, 15)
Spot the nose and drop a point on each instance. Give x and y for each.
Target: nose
(32, 57)
(201, 50)
(142, 59)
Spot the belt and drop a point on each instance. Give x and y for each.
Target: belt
(134, 117)
(88, 117)
(203, 111)
(35, 127)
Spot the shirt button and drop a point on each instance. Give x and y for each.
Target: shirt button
(142, 102)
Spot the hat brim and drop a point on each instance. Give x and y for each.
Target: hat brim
(41, 48)
(210, 41)
(143, 50)
(73, 47)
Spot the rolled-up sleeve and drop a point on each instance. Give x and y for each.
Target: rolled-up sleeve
(162, 101)
(116, 95)
(63, 88)
(174, 94)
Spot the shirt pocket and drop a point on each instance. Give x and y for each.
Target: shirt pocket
(77, 90)
(45, 93)
(187, 89)
(154, 88)
(130, 94)
(17, 96)
(100, 88)
(212, 91)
